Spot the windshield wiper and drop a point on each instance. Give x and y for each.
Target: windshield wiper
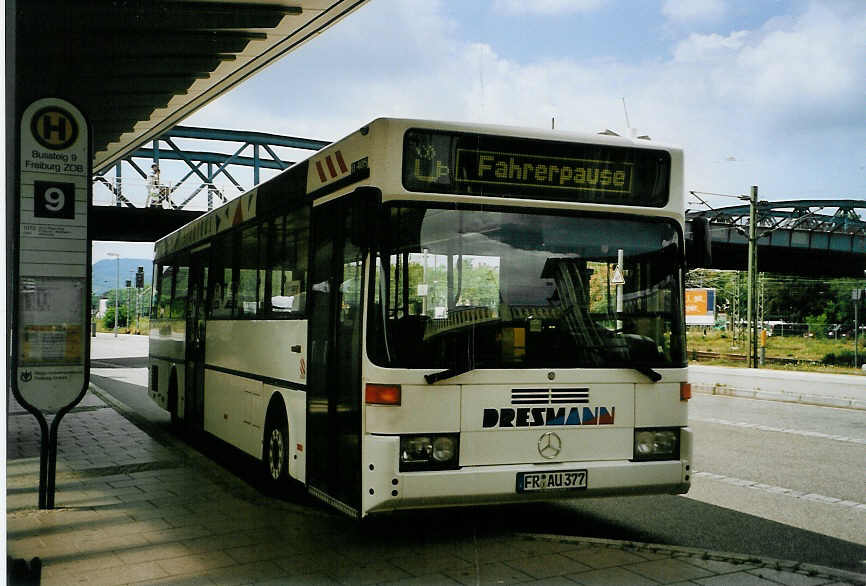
(648, 372)
(447, 373)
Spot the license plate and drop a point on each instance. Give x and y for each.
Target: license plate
(550, 481)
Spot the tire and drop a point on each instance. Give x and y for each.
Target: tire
(276, 453)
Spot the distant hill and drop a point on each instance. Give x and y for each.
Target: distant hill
(104, 273)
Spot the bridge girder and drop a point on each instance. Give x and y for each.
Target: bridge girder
(795, 237)
(794, 214)
(203, 167)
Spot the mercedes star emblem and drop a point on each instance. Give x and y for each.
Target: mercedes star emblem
(549, 445)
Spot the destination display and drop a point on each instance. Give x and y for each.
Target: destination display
(496, 166)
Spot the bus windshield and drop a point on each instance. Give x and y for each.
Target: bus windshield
(464, 289)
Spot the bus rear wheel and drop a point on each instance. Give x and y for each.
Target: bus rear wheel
(276, 451)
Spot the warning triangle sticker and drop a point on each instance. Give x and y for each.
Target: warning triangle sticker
(617, 278)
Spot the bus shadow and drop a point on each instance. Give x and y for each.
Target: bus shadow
(657, 519)
(664, 520)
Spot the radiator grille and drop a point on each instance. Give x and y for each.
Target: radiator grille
(542, 396)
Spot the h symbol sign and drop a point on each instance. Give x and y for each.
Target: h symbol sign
(54, 128)
(52, 123)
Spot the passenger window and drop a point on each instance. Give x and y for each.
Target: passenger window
(248, 273)
(154, 291)
(163, 310)
(277, 248)
(288, 263)
(222, 284)
(178, 300)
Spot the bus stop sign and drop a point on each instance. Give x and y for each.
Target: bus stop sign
(52, 279)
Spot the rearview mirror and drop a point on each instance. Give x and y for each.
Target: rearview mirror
(699, 249)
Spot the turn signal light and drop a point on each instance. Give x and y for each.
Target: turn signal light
(685, 391)
(375, 394)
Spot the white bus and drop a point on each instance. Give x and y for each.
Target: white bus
(434, 314)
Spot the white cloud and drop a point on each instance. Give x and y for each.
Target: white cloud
(805, 70)
(818, 61)
(546, 7)
(708, 47)
(693, 10)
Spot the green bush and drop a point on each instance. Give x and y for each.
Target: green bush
(841, 358)
(109, 318)
(818, 325)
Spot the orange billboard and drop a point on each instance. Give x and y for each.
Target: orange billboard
(700, 307)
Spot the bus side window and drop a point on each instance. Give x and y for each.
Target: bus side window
(287, 263)
(248, 273)
(165, 286)
(301, 251)
(154, 290)
(222, 284)
(276, 250)
(178, 299)
(261, 270)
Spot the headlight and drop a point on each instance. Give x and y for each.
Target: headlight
(656, 444)
(428, 452)
(416, 449)
(443, 449)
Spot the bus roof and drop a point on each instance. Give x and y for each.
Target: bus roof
(300, 179)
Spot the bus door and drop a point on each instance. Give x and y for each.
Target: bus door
(333, 391)
(195, 339)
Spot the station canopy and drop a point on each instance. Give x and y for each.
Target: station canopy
(135, 68)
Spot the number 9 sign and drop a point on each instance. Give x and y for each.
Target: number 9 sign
(54, 200)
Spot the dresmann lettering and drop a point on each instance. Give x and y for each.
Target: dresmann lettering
(545, 416)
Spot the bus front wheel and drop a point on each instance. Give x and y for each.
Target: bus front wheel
(276, 452)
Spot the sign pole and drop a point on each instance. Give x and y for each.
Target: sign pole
(855, 295)
(51, 474)
(50, 358)
(44, 449)
(751, 297)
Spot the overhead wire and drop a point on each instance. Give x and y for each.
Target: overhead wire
(695, 192)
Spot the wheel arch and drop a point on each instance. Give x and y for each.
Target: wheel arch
(290, 404)
(276, 411)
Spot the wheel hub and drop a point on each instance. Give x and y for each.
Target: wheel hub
(276, 454)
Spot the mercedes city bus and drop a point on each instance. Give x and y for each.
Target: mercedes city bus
(434, 314)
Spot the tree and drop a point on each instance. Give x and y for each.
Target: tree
(122, 321)
(790, 298)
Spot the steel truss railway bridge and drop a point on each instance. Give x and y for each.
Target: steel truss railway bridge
(825, 237)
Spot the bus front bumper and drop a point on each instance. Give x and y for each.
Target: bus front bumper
(385, 488)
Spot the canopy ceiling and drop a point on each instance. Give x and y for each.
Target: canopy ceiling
(135, 68)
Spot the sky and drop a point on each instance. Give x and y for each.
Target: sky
(765, 93)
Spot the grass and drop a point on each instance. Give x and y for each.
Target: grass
(143, 326)
(811, 351)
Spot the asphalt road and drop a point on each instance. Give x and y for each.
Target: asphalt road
(771, 479)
